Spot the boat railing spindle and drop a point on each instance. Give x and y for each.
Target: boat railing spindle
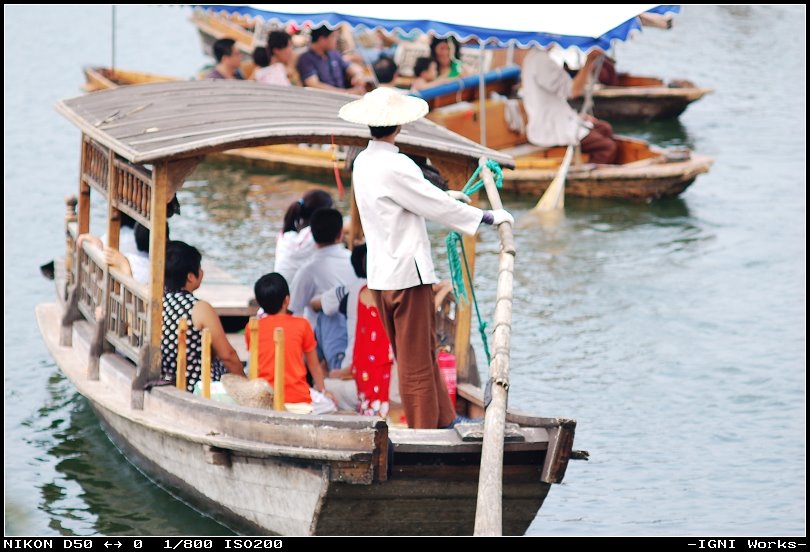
(206, 363)
(70, 243)
(278, 378)
(253, 363)
(180, 375)
(489, 508)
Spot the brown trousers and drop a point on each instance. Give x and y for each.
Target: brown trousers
(409, 319)
(599, 144)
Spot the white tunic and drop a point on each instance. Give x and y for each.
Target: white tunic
(394, 199)
(546, 88)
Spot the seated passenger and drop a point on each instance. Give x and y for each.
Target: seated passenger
(229, 59)
(369, 357)
(273, 296)
(445, 53)
(280, 50)
(295, 245)
(386, 71)
(322, 66)
(328, 267)
(425, 73)
(182, 277)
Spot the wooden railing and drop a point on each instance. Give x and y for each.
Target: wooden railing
(126, 315)
(95, 165)
(133, 190)
(114, 299)
(91, 277)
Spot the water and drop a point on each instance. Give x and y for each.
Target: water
(674, 332)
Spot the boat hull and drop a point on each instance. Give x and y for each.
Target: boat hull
(633, 182)
(641, 104)
(425, 492)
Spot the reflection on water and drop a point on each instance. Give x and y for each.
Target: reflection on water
(666, 133)
(234, 213)
(98, 491)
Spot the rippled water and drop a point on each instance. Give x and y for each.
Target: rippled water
(674, 332)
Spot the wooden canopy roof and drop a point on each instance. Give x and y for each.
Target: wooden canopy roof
(161, 121)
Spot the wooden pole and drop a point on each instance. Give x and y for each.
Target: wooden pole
(278, 378)
(157, 258)
(84, 191)
(180, 374)
(457, 175)
(489, 508)
(253, 365)
(206, 363)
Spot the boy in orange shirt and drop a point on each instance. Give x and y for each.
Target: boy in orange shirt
(273, 295)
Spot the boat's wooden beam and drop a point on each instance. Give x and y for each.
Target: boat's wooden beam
(157, 256)
(561, 440)
(457, 175)
(84, 189)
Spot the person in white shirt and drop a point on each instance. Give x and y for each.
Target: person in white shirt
(552, 122)
(394, 199)
(280, 52)
(295, 245)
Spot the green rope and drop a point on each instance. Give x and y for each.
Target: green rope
(474, 183)
(453, 242)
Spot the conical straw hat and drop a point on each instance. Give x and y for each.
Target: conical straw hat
(384, 107)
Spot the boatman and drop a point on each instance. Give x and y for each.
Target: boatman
(394, 199)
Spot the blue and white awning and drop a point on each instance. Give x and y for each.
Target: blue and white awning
(581, 26)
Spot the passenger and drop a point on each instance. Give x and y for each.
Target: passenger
(273, 296)
(425, 72)
(322, 66)
(394, 200)
(229, 59)
(260, 59)
(279, 47)
(135, 264)
(328, 267)
(386, 71)
(183, 276)
(365, 376)
(444, 52)
(295, 245)
(552, 122)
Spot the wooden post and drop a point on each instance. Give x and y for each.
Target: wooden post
(180, 373)
(355, 226)
(464, 315)
(457, 175)
(206, 363)
(278, 378)
(113, 214)
(149, 360)
(157, 258)
(70, 244)
(253, 364)
(489, 508)
(84, 192)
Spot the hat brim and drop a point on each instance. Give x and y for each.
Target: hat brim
(405, 109)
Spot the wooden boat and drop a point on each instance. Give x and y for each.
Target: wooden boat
(212, 27)
(643, 173)
(258, 470)
(638, 98)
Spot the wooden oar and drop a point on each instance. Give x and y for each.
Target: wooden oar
(554, 196)
(489, 509)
